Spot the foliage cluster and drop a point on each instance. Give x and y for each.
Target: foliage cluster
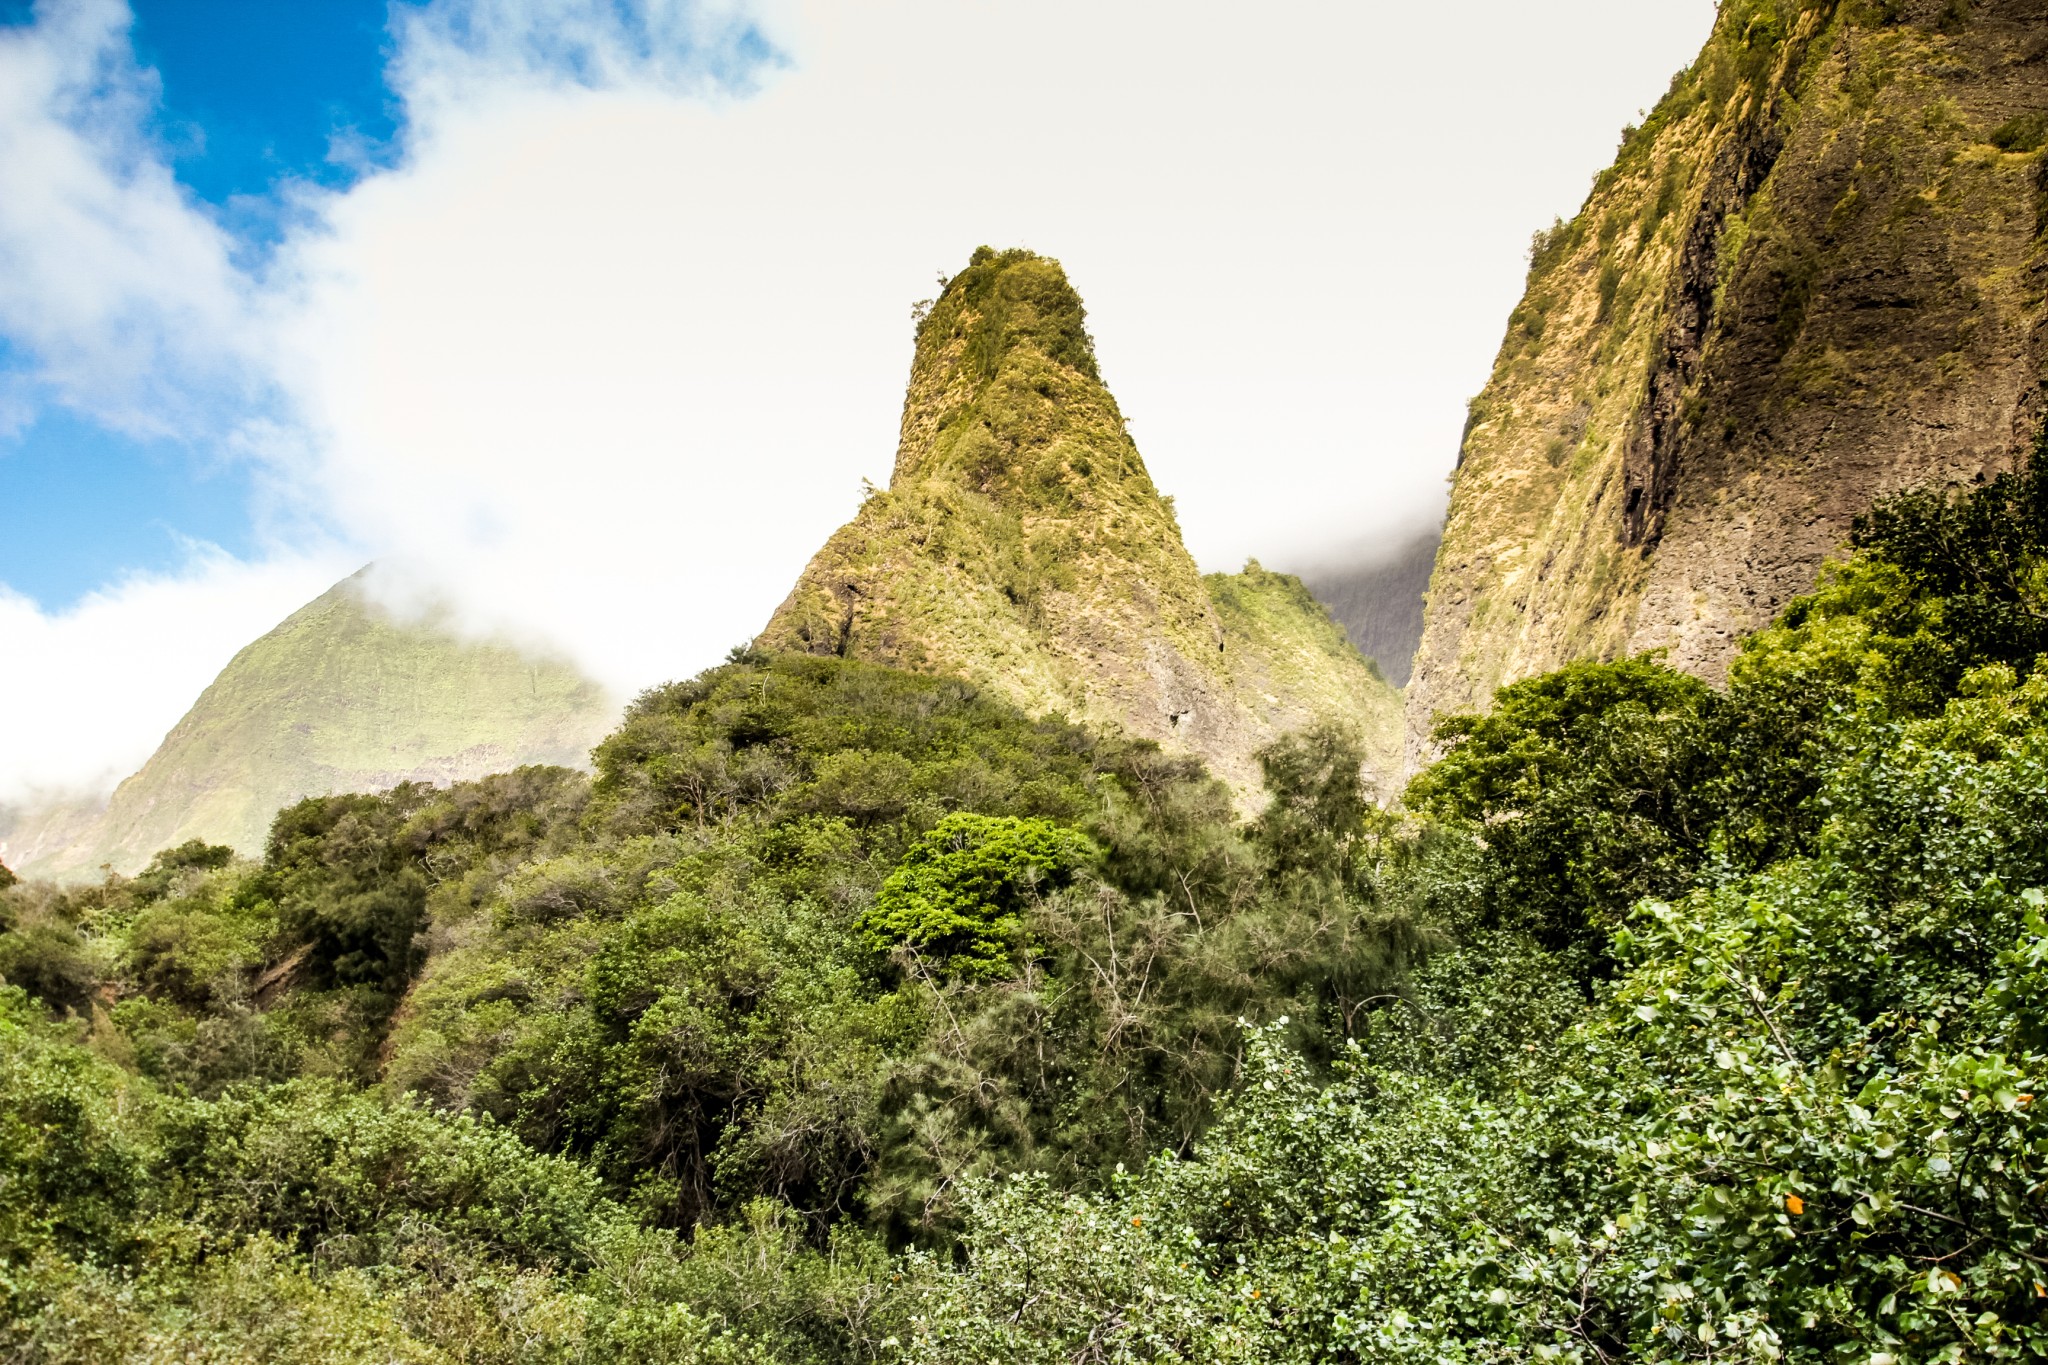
(1735, 1057)
(847, 1015)
(959, 895)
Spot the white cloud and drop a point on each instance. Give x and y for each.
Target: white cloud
(610, 348)
(89, 692)
(453, 51)
(116, 293)
(613, 359)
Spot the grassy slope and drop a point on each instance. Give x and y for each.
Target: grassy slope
(1022, 545)
(1289, 652)
(337, 698)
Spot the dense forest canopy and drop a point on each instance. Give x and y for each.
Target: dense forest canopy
(848, 1015)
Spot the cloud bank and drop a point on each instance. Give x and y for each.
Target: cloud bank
(607, 350)
(117, 298)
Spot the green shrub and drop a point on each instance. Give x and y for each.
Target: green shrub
(198, 954)
(2024, 133)
(319, 1168)
(1589, 788)
(346, 885)
(48, 957)
(72, 1170)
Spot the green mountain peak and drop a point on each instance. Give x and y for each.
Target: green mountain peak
(1021, 544)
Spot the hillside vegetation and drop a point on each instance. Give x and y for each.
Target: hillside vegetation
(340, 697)
(851, 1014)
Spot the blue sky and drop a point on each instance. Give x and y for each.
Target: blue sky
(255, 94)
(257, 90)
(80, 504)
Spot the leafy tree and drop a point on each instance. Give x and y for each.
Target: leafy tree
(1318, 812)
(1983, 553)
(1588, 788)
(957, 898)
(70, 1172)
(345, 886)
(47, 956)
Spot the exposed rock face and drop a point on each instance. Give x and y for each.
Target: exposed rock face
(1377, 598)
(1021, 545)
(340, 697)
(1814, 277)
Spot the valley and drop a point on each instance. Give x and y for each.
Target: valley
(1613, 929)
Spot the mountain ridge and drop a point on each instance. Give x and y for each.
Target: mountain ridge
(340, 696)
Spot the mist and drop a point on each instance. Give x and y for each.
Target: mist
(609, 349)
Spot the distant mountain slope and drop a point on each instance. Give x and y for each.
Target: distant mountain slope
(340, 697)
(1022, 545)
(1377, 598)
(1813, 276)
(29, 834)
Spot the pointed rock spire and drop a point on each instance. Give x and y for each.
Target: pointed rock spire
(1022, 545)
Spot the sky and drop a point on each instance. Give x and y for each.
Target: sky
(591, 316)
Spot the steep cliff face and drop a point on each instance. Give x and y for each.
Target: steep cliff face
(1814, 276)
(340, 697)
(1021, 545)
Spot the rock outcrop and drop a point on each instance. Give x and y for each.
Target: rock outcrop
(1022, 546)
(1813, 277)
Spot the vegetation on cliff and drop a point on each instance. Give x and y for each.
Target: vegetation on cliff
(1801, 286)
(852, 1014)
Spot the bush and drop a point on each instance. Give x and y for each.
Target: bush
(347, 886)
(318, 1168)
(49, 958)
(2024, 133)
(1588, 788)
